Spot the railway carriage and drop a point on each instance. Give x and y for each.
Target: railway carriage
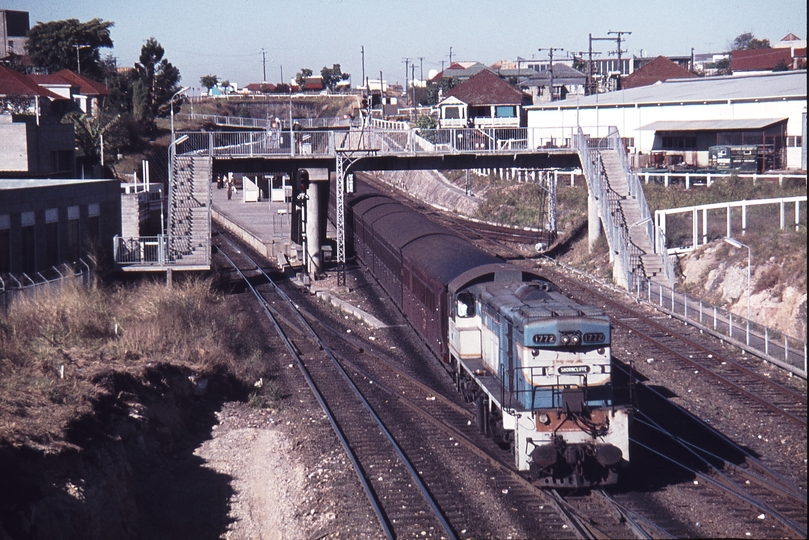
(536, 364)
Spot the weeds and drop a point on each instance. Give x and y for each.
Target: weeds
(55, 349)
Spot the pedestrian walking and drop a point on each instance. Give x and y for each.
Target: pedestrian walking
(230, 189)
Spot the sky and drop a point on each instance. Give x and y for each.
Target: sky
(226, 37)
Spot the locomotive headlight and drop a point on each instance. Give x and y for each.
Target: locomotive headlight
(601, 350)
(565, 340)
(574, 339)
(544, 419)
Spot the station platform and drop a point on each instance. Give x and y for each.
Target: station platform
(264, 225)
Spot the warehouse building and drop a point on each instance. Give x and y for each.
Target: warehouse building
(677, 121)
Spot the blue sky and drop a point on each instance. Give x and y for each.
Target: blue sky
(225, 37)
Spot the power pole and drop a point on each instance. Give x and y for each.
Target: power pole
(413, 85)
(450, 56)
(620, 65)
(550, 68)
(592, 39)
(362, 50)
(264, 64)
(407, 72)
(421, 67)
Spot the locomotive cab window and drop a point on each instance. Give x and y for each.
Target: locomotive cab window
(465, 305)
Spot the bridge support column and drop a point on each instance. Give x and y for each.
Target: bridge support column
(593, 222)
(316, 220)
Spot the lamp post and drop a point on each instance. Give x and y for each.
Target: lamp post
(738, 245)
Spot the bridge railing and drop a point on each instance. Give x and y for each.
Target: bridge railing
(383, 141)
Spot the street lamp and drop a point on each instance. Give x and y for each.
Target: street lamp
(738, 245)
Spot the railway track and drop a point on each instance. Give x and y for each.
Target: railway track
(424, 422)
(403, 504)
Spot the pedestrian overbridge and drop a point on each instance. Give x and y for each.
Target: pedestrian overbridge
(198, 156)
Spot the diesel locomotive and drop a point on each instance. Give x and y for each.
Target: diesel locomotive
(536, 364)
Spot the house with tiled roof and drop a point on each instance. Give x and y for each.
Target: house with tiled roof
(563, 82)
(760, 60)
(460, 71)
(657, 70)
(484, 100)
(87, 94)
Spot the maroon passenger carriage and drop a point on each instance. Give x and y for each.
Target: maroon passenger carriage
(537, 364)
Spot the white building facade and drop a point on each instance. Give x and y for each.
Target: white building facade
(684, 117)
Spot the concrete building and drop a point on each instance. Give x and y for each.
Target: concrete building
(679, 119)
(46, 223)
(34, 147)
(14, 28)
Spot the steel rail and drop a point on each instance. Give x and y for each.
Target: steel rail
(412, 471)
(338, 431)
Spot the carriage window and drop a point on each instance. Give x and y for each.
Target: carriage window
(466, 305)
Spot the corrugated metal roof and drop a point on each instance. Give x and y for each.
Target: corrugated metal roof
(771, 85)
(712, 125)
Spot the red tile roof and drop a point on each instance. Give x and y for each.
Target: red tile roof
(759, 59)
(659, 69)
(486, 88)
(15, 83)
(87, 87)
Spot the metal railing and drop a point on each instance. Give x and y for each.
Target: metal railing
(706, 178)
(271, 123)
(414, 141)
(160, 250)
(773, 345)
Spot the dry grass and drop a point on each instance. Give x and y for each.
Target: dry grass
(57, 351)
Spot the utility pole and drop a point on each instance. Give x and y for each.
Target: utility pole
(550, 68)
(362, 50)
(450, 56)
(620, 65)
(78, 61)
(282, 72)
(592, 39)
(407, 72)
(264, 64)
(413, 85)
(421, 67)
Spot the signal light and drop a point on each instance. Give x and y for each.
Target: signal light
(302, 180)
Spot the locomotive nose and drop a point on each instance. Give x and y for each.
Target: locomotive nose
(609, 455)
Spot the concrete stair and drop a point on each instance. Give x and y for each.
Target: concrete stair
(627, 212)
(190, 221)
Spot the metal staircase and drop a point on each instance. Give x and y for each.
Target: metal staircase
(624, 212)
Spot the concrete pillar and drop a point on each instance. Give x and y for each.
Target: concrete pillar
(316, 220)
(593, 222)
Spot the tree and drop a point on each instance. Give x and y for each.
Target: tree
(88, 130)
(301, 76)
(748, 41)
(56, 45)
(436, 89)
(332, 76)
(209, 81)
(156, 82)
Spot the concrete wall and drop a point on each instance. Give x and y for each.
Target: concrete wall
(69, 200)
(31, 150)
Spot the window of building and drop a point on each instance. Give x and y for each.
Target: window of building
(72, 247)
(5, 243)
(51, 237)
(452, 112)
(794, 141)
(629, 142)
(679, 143)
(505, 111)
